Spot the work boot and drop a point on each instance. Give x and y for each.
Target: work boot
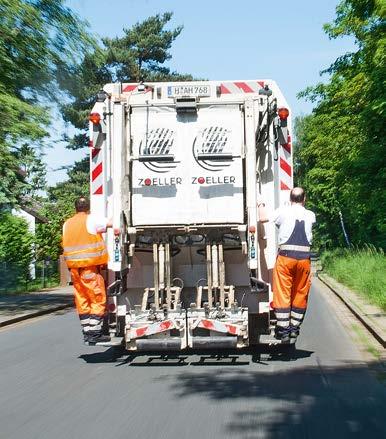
(282, 334)
(97, 337)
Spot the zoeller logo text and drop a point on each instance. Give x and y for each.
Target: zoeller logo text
(221, 179)
(172, 181)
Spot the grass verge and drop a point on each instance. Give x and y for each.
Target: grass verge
(23, 287)
(364, 339)
(362, 270)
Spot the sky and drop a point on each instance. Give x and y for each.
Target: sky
(225, 39)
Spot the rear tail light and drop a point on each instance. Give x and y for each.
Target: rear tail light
(111, 307)
(283, 113)
(95, 118)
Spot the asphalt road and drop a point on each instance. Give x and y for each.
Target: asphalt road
(53, 387)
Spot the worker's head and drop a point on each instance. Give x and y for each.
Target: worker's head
(82, 204)
(297, 195)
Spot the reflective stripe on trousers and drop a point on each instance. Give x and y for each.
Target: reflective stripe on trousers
(283, 317)
(297, 316)
(85, 322)
(96, 323)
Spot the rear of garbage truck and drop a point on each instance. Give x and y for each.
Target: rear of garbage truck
(179, 168)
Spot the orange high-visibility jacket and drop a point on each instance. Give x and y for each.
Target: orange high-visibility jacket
(81, 248)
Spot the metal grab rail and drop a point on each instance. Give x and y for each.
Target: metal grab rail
(215, 156)
(156, 158)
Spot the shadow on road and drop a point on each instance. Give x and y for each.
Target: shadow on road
(18, 304)
(300, 402)
(261, 355)
(289, 400)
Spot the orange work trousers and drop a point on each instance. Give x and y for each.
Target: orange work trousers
(291, 283)
(90, 292)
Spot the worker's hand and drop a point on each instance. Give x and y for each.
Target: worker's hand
(261, 210)
(259, 200)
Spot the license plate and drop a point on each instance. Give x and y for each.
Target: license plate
(188, 90)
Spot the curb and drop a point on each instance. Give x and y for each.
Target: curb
(377, 333)
(31, 315)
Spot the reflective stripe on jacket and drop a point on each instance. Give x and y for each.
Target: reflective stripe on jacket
(81, 248)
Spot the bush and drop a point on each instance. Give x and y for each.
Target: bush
(16, 251)
(363, 270)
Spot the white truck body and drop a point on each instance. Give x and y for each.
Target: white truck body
(179, 166)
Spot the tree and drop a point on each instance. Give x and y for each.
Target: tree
(39, 39)
(139, 55)
(340, 147)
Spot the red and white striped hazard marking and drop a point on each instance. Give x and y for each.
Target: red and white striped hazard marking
(154, 328)
(241, 87)
(216, 325)
(96, 169)
(231, 87)
(128, 88)
(286, 170)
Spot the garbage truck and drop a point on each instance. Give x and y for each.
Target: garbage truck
(179, 167)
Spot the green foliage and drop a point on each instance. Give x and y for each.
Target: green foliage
(139, 55)
(16, 250)
(363, 270)
(39, 40)
(21, 121)
(340, 147)
(37, 36)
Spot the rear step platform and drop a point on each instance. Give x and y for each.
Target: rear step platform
(115, 341)
(271, 340)
(199, 342)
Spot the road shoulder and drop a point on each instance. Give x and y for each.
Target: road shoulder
(15, 308)
(370, 349)
(370, 316)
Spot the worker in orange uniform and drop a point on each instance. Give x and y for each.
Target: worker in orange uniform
(292, 271)
(85, 253)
